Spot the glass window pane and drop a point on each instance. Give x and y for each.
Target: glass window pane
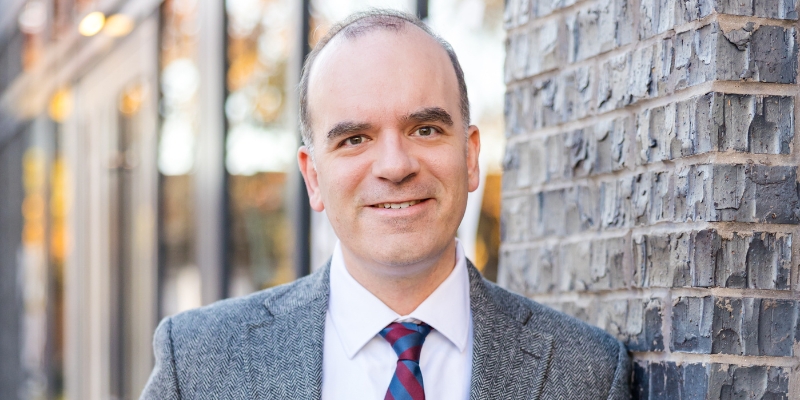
(262, 141)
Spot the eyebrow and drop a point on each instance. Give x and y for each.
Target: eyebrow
(427, 114)
(430, 114)
(346, 128)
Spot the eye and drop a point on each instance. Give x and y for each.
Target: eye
(353, 140)
(426, 131)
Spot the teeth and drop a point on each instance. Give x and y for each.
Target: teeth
(398, 205)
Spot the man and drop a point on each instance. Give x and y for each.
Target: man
(398, 312)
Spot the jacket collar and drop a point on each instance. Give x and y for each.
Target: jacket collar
(509, 357)
(285, 350)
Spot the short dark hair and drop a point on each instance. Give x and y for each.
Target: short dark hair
(358, 24)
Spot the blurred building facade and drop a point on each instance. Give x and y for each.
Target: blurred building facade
(147, 166)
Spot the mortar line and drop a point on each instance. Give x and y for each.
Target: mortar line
(663, 293)
(731, 359)
(722, 87)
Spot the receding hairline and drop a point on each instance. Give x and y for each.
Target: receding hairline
(344, 39)
(360, 24)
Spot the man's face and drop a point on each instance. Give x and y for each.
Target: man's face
(392, 163)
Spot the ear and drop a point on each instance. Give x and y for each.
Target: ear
(309, 172)
(473, 151)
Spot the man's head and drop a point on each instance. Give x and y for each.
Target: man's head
(362, 23)
(383, 104)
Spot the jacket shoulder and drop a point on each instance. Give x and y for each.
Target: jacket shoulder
(582, 354)
(548, 320)
(226, 315)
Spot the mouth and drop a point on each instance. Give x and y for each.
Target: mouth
(404, 204)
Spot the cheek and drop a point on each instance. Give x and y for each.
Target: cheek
(340, 181)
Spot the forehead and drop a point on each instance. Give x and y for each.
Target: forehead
(380, 74)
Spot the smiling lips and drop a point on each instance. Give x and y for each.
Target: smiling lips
(404, 204)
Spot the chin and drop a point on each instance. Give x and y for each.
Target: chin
(402, 252)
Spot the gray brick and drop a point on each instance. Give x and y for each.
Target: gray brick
(517, 12)
(523, 165)
(543, 104)
(777, 325)
(695, 381)
(705, 249)
(649, 251)
(780, 9)
(552, 220)
(773, 54)
(666, 380)
(709, 114)
(769, 261)
(691, 10)
(773, 196)
(573, 260)
(727, 330)
(739, 112)
(692, 319)
(731, 269)
(612, 146)
(640, 380)
(729, 182)
(663, 260)
(767, 194)
(581, 149)
(735, 7)
(772, 129)
(656, 16)
(615, 204)
(754, 327)
(644, 325)
(613, 83)
(517, 110)
(656, 137)
(693, 188)
(581, 211)
(516, 219)
(574, 97)
(557, 158)
(543, 275)
(546, 7)
(755, 382)
(547, 49)
(607, 264)
(513, 268)
(600, 28)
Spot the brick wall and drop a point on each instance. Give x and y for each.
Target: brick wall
(651, 188)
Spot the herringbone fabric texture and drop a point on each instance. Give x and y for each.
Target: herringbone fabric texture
(269, 346)
(406, 339)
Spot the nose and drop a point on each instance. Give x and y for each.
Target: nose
(394, 160)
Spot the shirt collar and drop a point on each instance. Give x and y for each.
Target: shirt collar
(358, 315)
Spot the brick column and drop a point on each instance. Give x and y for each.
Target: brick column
(651, 187)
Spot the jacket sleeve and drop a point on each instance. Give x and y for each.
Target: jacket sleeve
(621, 386)
(163, 382)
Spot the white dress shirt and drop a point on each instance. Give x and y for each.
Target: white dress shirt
(358, 363)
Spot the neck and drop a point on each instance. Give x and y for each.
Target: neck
(401, 287)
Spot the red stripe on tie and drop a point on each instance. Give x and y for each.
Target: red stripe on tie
(412, 353)
(388, 396)
(396, 332)
(409, 381)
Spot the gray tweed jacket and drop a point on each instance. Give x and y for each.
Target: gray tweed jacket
(269, 346)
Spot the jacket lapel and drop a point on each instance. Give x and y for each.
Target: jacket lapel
(285, 355)
(509, 359)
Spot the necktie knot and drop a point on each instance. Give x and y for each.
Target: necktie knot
(406, 338)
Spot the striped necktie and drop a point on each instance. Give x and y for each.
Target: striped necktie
(406, 339)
